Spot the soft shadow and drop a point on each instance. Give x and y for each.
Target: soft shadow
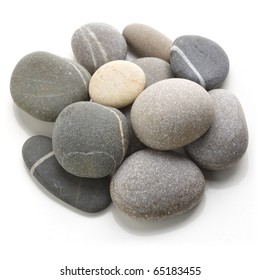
(151, 228)
(31, 125)
(131, 54)
(220, 179)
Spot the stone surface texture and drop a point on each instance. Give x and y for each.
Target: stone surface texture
(225, 143)
(95, 44)
(117, 83)
(90, 140)
(171, 113)
(43, 84)
(153, 185)
(86, 194)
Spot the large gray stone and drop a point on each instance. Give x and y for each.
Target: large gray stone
(86, 194)
(225, 143)
(153, 185)
(43, 84)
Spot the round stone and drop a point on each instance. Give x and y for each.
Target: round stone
(225, 143)
(155, 69)
(43, 84)
(87, 194)
(117, 83)
(95, 44)
(147, 41)
(200, 60)
(153, 185)
(171, 113)
(90, 140)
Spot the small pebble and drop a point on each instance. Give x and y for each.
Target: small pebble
(86, 194)
(146, 41)
(225, 143)
(90, 140)
(171, 113)
(155, 69)
(200, 60)
(95, 44)
(43, 84)
(153, 185)
(117, 83)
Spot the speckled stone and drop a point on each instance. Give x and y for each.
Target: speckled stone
(117, 83)
(200, 60)
(134, 143)
(90, 140)
(153, 185)
(225, 143)
(147, 41)
(171, 113)
(95, 44)
(89, 195)
(155, 69)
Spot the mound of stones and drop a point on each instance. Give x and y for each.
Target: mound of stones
(118, 123)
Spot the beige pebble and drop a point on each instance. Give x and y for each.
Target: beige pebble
(117, 83)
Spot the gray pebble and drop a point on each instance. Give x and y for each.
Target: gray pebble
(153, 185)
(90, 140)
(226, 141)
(42, 84)
(171, 113)
(200, 60)
(86, 194)
(155, 69)
(147, 41)
(95, 44)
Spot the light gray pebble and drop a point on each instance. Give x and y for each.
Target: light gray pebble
(153, 185)
(199, 59)
(43, 84)
(95, 44)
(86, 194)
(90, 140)
(155, 69)
(225, 143)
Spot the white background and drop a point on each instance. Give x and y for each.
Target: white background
(40, 235)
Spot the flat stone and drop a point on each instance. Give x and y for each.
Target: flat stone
(86, 194)
(225, 143)
(42, 84)
(171, 114)
(117, 83)
(155, 69)
(147, 41)
(90, 140)
(153, 185)
(95, 44)
(200, 60)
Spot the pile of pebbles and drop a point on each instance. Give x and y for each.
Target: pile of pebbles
(118, 123)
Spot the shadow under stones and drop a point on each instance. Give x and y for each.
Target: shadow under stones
(31, 125)
(151, 228)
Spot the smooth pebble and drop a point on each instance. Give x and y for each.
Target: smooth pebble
(90, 140)
(86, 194)
(225, 143)
(171, 113)
(199, 59)
(43, 84)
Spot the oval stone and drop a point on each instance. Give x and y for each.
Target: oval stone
(147, 41)
(43, 84)
(95, 44)
(171, 113)
(86, 194)
(90, 140)
(199, 59)
(225, 143)
(153, 185)
(117, 83)
(155, 69)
